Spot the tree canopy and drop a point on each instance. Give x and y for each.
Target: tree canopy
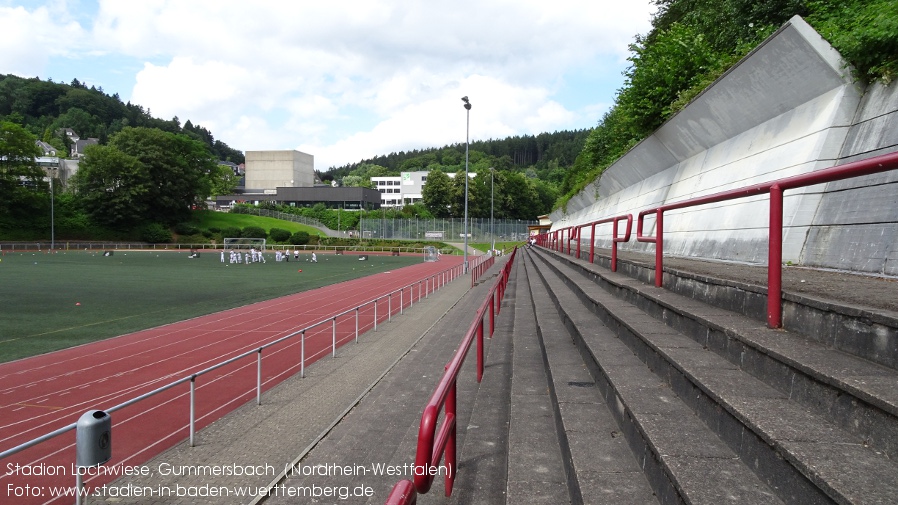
(145, 174)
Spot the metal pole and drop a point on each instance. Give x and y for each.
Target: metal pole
(334, 338)
(356, 325)
(52, 218)
(259, 378)
(775, 259)
(302, 354)
(492, 199)
(467, 141)
(192, 408)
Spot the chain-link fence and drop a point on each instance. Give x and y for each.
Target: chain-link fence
(446, 230)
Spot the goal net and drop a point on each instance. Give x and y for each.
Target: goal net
(245, 243)
(431, 253)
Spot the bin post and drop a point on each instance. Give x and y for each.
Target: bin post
(93, 444)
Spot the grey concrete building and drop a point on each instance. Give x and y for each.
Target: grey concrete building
(267, 170)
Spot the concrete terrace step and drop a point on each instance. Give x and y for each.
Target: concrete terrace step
(536, 471)
(857, 394)
(483, 457)
(683, 460)
(784, 416)
(601, 468)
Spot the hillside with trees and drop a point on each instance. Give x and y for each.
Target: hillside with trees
(694, 42)
(45, 107)
(527, 172)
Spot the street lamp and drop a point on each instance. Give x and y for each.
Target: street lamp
(52, 218)
(492, 232)
(467, 137)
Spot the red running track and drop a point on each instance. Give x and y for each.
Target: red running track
(41, 394)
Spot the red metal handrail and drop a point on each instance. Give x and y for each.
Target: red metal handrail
(436, 440)
(775, 188)
(615, 239)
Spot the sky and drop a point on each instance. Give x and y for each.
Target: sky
(343, 80)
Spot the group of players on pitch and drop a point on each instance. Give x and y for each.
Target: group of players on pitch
(256, 256)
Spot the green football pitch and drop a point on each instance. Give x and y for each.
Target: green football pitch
(54, 301)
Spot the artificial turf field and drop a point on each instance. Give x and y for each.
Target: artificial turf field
(53, 301)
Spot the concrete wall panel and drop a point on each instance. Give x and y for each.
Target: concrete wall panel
(787, 109)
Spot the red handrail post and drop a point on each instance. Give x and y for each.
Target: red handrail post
(659, 247)
(775, 259)
(493, 312)
(579, 229)
(592, 244)
(480, 349)
(613, 245)
(450, 444)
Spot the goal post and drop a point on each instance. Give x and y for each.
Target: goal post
(245, 243)
(431, 254)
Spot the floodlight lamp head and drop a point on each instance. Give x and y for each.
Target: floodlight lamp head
(467, 103)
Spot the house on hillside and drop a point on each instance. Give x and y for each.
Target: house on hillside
(78, 144)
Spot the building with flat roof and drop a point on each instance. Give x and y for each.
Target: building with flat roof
(347, 198)
(267, 170)
(405, 189)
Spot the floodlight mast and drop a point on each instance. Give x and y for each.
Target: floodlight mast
(467, 141)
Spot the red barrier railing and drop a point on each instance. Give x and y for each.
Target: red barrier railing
(776, 188)
(437, 440)
(482, 264)
(576, 232)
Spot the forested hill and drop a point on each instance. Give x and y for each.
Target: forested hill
(558, 149)
(44, 107)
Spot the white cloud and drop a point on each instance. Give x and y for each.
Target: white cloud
(352, 79)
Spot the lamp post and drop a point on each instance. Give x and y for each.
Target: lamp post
(467, 137)
(492, 232)
(52, 217)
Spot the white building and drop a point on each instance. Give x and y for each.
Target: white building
(405, 189)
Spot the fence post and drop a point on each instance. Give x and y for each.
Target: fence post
(192, 407)
(592, 243)
(357, 325)
(302, 354)
(659, 247)
(259, 378)
(375, 314)
(480, 349)
(334, 338)
(775, 259)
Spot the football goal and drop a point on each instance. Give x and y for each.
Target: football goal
(431, 253)
(245, 243)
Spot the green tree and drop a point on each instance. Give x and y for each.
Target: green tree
(22, 188)
(222, 181)
(435, 194)
(181, 170)
(113, 187)
(457, 196)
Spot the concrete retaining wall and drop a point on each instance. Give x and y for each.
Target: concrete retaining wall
(786, 109)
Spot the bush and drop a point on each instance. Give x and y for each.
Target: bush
(279, 235)
(253, 232)
(231, 232)
(156, 233)
(208, 233)
(214, 229)
(186, 229)
(300, 238)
